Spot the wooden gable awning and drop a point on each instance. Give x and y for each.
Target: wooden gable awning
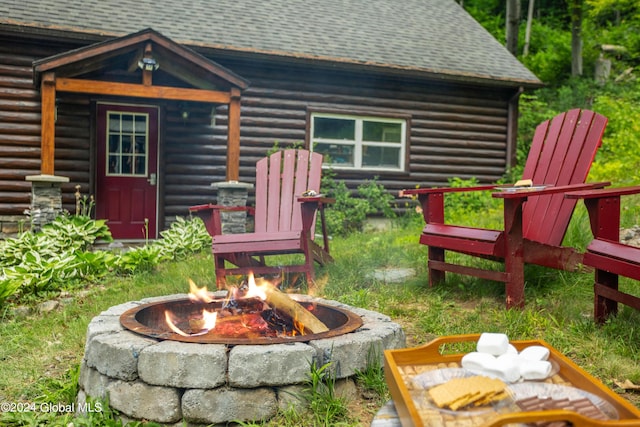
(139, 55)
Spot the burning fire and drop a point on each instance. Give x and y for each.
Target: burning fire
(256, 291)
(257, 308)
(198, 294)
(208, 321)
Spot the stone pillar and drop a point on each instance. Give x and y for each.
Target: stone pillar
(46, 199)
(233, 193)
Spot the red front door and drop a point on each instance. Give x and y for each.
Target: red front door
(127, 170)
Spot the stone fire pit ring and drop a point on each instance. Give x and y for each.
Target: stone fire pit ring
(172, 382)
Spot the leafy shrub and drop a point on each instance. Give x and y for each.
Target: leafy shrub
(138, 260)
(78, 232)
(54, 258)
(551, 62)
(618, 160)
(184, 237)
(60, 257)
(349, 213)
(465, 204)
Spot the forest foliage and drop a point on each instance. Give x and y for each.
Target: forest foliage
(610, 38)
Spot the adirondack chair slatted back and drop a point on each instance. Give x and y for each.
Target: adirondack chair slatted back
(280, 179)
(561, 153)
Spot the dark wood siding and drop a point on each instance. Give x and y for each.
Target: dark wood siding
(454, 130)
(19, 128)
(194, 157)
(73, 147)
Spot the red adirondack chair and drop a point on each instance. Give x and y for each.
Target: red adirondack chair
(606, 254)
(284, 219)
(535, 219)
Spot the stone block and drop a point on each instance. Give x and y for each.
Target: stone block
(163, 298)
(347, 353)
(391, 334)
(291, 396)
(223, 405)
(186, 365)
(117, 310)
(277, 364)
(102, 324)
(92, 382)
(116, 355)
(145, 402)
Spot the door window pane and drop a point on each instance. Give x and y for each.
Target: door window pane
(128, 140)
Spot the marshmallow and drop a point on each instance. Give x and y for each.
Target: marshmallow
(476, 361)
(493, 343)
(507, 367)
(535, 369)
(512, 350)
(535, 352)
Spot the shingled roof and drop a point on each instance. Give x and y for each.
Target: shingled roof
(435, 38)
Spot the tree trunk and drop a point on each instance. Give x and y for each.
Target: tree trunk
(513, 22)
(575, 9)
(527, 34)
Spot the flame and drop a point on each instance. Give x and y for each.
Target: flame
(198, 294)
(299, 327)
(260, 288)
(209, 319)
(256, 290)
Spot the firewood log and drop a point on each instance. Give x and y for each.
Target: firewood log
(283, 302)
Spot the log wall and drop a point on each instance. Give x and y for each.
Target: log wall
(20, 129)
(455, 130)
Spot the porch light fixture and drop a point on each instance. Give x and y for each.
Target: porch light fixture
(148, 64)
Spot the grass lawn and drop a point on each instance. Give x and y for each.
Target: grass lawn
(40, 352)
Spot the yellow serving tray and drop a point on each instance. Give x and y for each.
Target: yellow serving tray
(402, 363)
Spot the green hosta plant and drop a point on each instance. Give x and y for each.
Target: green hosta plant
(137, 260)
(60, 256)
(77, 231)
(54, 258)
(185, 236)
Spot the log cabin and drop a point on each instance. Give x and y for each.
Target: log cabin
(145, 104)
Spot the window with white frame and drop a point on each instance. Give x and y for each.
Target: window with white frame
(359, 142)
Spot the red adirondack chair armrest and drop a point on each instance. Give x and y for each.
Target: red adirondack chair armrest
(432, 200)
(425, 191)
(514, 200)
(603, 206)
(320, 200)
(549, 190)
(605, 192)
(309, 206)
(210, 215)
(210, 206)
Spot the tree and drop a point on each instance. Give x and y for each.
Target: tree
(527, 34)
(575, 11)
(513, 23)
